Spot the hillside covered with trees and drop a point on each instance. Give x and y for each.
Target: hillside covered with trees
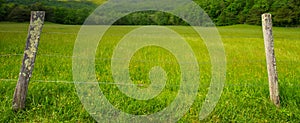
(222, 12)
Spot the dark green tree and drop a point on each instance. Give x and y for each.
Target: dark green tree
(230, 15)
(19, 14)
(254, 15)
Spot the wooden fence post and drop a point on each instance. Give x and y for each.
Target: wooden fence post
(271, 61)
(35, 29)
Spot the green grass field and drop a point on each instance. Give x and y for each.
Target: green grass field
(52, 96)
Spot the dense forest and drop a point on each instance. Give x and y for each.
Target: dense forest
(222, 12)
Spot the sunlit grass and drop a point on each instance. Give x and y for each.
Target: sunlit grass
(245, 97)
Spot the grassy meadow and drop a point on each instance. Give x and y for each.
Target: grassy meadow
(52, 96)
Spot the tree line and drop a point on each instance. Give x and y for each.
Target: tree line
(228, 12)
(62, 12)
(222, 12)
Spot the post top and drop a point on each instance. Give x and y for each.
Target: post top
(266, 15)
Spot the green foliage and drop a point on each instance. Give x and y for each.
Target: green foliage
(64, 12)
(19, 14)
(222, 12)
(286, 12)
(231, 14)
(150, 18)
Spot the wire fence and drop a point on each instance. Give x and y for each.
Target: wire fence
(43, 32)
(108, 59)
(244, 83)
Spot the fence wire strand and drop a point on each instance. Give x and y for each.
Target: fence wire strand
(262, 61)
(140, 85)
(109, 59)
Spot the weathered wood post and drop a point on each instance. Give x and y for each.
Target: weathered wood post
(34, 32)
(271, 61)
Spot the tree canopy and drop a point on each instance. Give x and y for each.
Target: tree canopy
(222, 12)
